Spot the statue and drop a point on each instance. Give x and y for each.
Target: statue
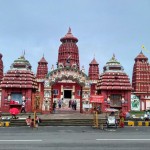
(83, 70)
(9, 97)
(52, 68)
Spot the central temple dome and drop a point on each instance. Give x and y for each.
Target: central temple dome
(68, 54)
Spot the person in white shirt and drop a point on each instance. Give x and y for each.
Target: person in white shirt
(23, 107)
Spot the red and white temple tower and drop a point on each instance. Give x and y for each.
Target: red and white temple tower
(68, 54)
(42, 71)
(93, 75)
(141, 80)
(1, 76)
(114, 85)
(67, 81)
(1, 67)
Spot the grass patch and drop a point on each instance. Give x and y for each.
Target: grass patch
(137, 113)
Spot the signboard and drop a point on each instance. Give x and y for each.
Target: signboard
(135, 103)
(87, 105)
(96, 99)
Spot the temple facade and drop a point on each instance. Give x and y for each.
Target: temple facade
(18, 85)
(114, 85)
(68, 81)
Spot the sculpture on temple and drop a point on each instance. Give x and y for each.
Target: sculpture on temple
(46, 104)
(83, 70)
(9, 97)
(52, 68)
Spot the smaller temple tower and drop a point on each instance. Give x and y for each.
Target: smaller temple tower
(93, 75)
(93, 70)
(42, 69)
(141, 80)
(114, 85)
(18, 85)
(1, 67)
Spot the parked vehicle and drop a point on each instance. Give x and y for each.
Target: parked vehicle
(111, 117)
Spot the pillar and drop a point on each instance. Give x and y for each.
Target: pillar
(81, 108)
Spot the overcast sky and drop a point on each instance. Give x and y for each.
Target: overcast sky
(103, 27)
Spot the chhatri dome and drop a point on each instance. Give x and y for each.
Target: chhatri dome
(114, 77)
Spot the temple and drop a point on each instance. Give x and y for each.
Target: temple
(68, 81)
(17, 85)
(114, 85)
(141, 83)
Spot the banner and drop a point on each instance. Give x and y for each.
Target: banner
(96, 99)
(135, 103)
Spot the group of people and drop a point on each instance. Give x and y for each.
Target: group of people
(30, 122)
(60, 102)
(73, 104)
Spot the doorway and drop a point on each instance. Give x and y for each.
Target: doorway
(67, 94)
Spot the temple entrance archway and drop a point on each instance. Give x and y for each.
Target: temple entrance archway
(65, 84)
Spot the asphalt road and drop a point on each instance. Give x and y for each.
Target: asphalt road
(74, 138)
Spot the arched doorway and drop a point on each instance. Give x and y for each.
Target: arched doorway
(65, 83)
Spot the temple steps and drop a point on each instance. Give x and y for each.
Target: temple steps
(56, 122)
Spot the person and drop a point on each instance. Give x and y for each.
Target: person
(37, 122)
(28, 121)
(99, 109)
(75, 105)
(32, 123)
(122, 117)
(127, 115)
(23, 107)
(14, 116)
(54, 106)
(146, 117)
(59, 103)
(0, 117)
(70, 103)
(112, 114)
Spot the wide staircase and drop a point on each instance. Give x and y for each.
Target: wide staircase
(56, 122)
(60, 118)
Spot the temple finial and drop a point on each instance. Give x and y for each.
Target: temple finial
(142, 48)
(113, 55)
(23, 53)
(69, 31)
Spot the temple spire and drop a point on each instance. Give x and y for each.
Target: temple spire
(23, 53)
(69, 31)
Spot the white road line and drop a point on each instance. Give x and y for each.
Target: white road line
(122, 139)
(21, 140)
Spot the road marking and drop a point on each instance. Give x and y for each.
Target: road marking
(122, 139)
(21, 140)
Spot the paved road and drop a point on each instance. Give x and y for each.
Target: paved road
(74, 138)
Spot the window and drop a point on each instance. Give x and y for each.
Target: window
(55, 92)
